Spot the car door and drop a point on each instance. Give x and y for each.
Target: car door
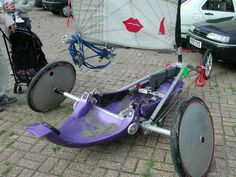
(213, 9)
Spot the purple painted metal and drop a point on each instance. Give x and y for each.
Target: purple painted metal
(92, 125)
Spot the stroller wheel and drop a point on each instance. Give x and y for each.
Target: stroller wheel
(17, 88)
(41, 96)
(192, 138)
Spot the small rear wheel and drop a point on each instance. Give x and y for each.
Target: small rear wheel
(208, 63)
(17, 88)
(192, 138)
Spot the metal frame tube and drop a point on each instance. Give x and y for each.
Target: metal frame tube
(155, 129)
(68, 95)
(75, 98)
(141, 80)
(163, 100)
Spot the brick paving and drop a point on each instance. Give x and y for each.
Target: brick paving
(23, 155)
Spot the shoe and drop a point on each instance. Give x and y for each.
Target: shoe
(19, 20)
(4, 100)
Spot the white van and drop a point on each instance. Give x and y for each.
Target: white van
(200, 10)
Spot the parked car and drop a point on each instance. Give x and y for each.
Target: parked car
(193, 11)
(57, 7)
(216, 39)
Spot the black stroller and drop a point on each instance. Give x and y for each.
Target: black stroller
(26, 56)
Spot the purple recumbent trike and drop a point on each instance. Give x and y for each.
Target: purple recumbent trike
(100, 118)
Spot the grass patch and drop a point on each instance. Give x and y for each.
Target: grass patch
(2, 132)
(56, 148)
(9, 144)
(147, 171)
(11, 133)
(76, 152)
(6, 169)
(232, 89)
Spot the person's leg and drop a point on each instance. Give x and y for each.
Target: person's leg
(3, 82)
(3, 74)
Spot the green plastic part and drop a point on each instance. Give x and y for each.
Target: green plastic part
(185, 72)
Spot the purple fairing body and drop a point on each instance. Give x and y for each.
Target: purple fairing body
(90, 125)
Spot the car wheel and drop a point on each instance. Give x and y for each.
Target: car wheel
(64, 11)
(55, 11)
(208, 63)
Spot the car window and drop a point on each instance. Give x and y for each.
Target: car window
(219, 5)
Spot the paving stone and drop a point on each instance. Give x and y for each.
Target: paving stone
(22, 146)
(82, 156)
(109, 165)
(128, 175)
(231, 153)
(151, 141)
(14, 171)
(16, 156)
(232, 172)
(26, 173)
(93, 158)
(112, 173)
(39, 174)
(159, 173)
(98, 172)
(39, 146)
(164, 167)
(6, 154)
(35, 157)
(221, 166)
(141, 152)
(130, 165)
(84, 168)
(28, 140)
(47, 166)
(73, 173)
(60, 166)
(159, 155)
(26, 163)
(141, 167)
(116, 157)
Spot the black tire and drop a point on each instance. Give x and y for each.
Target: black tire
(15, 88)
(208, 63)
(64, 11)
(193, 157)
(19, 89)
(55, 12)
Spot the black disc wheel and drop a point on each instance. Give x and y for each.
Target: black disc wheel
(41, 96)
(208, 63)
(192, 138)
